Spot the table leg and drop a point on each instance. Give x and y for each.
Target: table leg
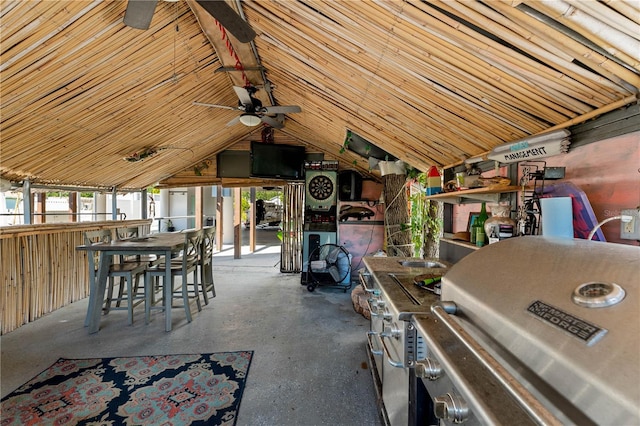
(168, 291)
(96, 297)
(92, 287)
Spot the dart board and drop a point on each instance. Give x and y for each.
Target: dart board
(320, 187)
(321, 190)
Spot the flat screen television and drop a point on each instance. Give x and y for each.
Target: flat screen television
(277, 161)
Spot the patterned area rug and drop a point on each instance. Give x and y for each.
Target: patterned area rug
(147, 390)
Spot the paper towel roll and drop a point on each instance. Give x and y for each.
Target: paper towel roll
(557, 217)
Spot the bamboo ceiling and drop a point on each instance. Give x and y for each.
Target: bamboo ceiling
(430, 82)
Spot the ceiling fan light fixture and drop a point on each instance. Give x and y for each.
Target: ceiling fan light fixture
(250, 120)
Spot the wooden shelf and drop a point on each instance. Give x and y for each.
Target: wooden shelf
(465, 244)
(489, 194)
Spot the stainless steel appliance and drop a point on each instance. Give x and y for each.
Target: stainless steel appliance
(534, 330)
(394, 298)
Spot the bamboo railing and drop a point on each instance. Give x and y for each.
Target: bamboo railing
(42, 270)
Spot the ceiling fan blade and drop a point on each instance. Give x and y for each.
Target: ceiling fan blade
(139, 13)
(229, 19)
(243, 95)
(234, 121)
(281, 109)
(216, 106)
(273, 122)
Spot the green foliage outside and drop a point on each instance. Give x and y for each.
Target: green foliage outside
(423, 224)
(66, 194)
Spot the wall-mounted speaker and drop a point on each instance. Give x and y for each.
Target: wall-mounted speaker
(350, 186)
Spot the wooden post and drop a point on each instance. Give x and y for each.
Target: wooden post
(237, 219)
(40, 207)
(73, 207)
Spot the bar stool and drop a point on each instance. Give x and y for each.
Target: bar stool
(129, 273)
(128, 233)
(182, 263)
(206, 263)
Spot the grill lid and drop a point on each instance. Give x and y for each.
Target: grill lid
(567, 309)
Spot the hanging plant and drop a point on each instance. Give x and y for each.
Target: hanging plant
(347, 141)
(426, 220)
(198, 168)
(142, 154)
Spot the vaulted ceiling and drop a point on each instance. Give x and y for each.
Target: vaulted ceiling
(87, 101)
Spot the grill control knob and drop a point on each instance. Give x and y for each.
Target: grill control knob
(391, 331)
(428, 368)
(450, 407)
(386, 315)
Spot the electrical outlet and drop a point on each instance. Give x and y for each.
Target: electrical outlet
(630, 229)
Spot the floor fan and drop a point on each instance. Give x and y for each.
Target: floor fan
(329, 264)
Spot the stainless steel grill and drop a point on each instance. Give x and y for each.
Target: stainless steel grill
(551, 325)
(394, 298)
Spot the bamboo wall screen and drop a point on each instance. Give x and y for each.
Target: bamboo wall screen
(41, 269)
(292, 216)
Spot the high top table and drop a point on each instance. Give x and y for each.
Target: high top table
(162, 244)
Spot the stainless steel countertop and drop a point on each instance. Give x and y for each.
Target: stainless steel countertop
(394, 265)
(396, 281)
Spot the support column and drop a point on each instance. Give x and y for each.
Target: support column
(227, 231)
(73, 207)
(163, 210)
(144, 212)
(114, 204)
(252, 221)
(219, 217)
(27, 202)
(199, 213)
(99, 206)
(237, 222)
(40, 207)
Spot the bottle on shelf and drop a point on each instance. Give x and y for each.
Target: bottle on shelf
(473, 232)
(480, 234)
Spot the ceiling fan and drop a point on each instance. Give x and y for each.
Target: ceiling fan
(140, 12)
(253, 113)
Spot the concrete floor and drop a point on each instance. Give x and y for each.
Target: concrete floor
(309, 367)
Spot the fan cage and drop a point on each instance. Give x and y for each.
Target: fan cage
(332, 260)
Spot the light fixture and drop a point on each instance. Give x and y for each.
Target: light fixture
(532, 147)
(250, 120)
(473, 160)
